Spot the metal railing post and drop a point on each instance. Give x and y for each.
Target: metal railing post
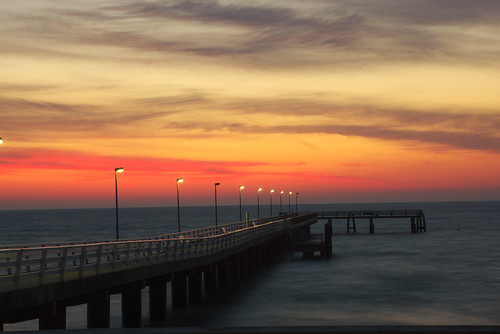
(43, 264)
(19, 259)
(62, 272)
(82, 262)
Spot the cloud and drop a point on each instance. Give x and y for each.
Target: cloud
(278, 34)
(56, 117)
(460, 129)
(204, 116)
(432, 12)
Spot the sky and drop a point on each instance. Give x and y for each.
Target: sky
(339, 100)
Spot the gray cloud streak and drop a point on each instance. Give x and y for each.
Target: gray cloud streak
(333, 33)
(464, 130)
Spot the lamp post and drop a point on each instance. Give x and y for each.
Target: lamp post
(117, 170)
(258, 202)
(241, 188)
(271, 201)
(289, 207)
(296, 206)
(216, 184)
(178, 207)
(281, 205)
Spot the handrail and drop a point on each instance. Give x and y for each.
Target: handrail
(25, 267)
(370, 213)
(205, 231)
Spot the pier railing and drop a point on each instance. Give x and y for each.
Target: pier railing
(34, 265)
(371, 214)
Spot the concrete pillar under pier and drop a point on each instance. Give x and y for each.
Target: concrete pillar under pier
(55, 319)
(158, 301)
(413, 227)
(195, 286)
(210, 277)
(328, 239)
(223, 273)
(251, 259)
(98, 311)
(179, 289)
(372, 226)
(132, 306)
(243, 262)
(234, 267)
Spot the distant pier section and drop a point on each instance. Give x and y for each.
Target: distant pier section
(416, 217)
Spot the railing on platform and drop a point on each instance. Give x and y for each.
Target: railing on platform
(371, 213)
(34, 265)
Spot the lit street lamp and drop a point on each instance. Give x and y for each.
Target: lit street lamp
(281, 205)
(1, 140)
(258, 202)
(178, 207)
(216, 184)
(271, 201)
(241, 188)
(117, 170)
(289, 207)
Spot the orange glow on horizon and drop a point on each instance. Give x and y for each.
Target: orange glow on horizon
(247, 101)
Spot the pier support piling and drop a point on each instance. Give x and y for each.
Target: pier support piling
(372, 226)
(55, 319)
(98, 311)
(179, 289)
(132, 306)
(195, 286)
(328, 239)
(210, 278)
(223, 273)
(158, 301)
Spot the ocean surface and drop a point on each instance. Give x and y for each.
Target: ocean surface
(449, 275)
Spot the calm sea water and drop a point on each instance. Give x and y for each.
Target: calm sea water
(449, 275)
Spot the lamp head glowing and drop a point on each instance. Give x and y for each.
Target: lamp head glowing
(260, 189)
(282, 192)
(180, 180)
(290, 193)
(272, 190)
(242, 187)
(119, 170)
(1, 140)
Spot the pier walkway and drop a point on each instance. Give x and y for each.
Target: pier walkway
(40, 281)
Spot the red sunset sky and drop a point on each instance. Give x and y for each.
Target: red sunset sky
(341, 101)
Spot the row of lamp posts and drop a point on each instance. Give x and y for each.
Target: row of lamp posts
(180, 180)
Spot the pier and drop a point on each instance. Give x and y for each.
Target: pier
(40, 281)
(416, 218)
